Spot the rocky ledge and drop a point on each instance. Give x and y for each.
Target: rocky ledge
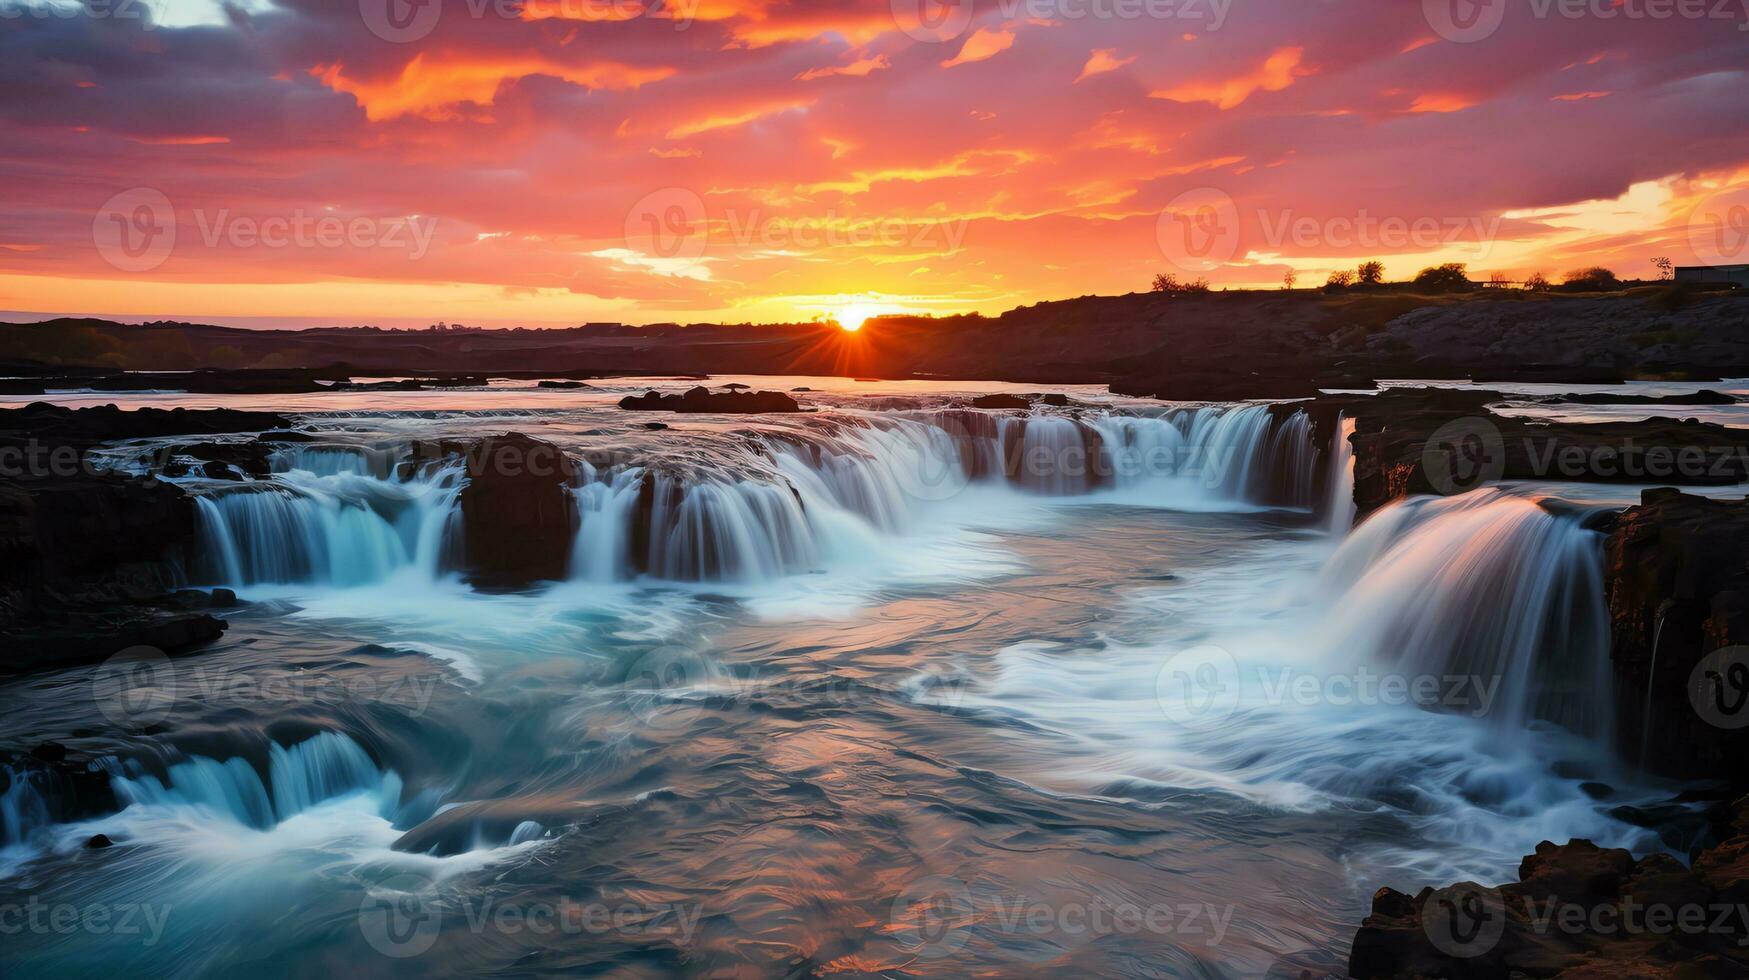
(1412, 441)
(702, 400)
(88, 558)
(1678, 586)
(1577, 910)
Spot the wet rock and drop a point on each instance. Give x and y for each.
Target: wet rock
(98, 841)
(518, 517)
(565, 385)
(72, 635)
(1001, 401)
(1578, 910)
(1677, 575)
(703, 400)
(231, 460)
(1411, 441)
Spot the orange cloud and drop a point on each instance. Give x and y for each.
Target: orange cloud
(1276, 73)
(1442, 102)
(1582, 96)
(983, 45)
(180, 140)
(855, 69)
(711, 123)
(432, 87)
(1102, 61)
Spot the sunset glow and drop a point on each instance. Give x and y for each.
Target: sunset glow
(785, 152)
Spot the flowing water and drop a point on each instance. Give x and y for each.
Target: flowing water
(894, 687)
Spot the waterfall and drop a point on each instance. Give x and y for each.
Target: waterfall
(1486, 585)
(783, 501)
(324, 767)
(23, 806)
(332, 525)
(1213, 455)
(1341, 507)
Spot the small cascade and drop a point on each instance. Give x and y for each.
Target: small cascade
(1209, 456)
(324, 767)
(23, 805)
(338, 527)
(1485, 585)
(1052, 455)
(1341, 506)
(601, 552)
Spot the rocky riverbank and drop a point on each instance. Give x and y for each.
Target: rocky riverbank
(89, 558)
(1577, 910)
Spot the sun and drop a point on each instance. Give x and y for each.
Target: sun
(851, 318)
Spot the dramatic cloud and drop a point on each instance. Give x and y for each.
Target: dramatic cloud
(557, 161)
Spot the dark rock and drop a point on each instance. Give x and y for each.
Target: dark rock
(1401, 432)
(655, 426)
(50, 752)
(1000, 401)
(104, 423)
(1706, 397)
(565, 385)
(703, 400)
(91, 634)
(518, 518)
(1677, 575)
(230, 460)
(98, 842)
(1577, 911)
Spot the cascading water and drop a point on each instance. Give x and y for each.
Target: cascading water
(781, 503)
(801, 500)
(324, 767)
(23, 807)
(329, 518)
(1341, 506)
(1484, 585)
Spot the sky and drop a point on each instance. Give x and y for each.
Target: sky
(553, 162)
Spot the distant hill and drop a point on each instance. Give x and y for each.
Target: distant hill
(1215, 345)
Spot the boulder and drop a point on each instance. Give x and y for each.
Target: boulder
(1578, 910)
(703, 400)
(518, 517)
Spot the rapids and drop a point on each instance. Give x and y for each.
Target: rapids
(897, 686)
